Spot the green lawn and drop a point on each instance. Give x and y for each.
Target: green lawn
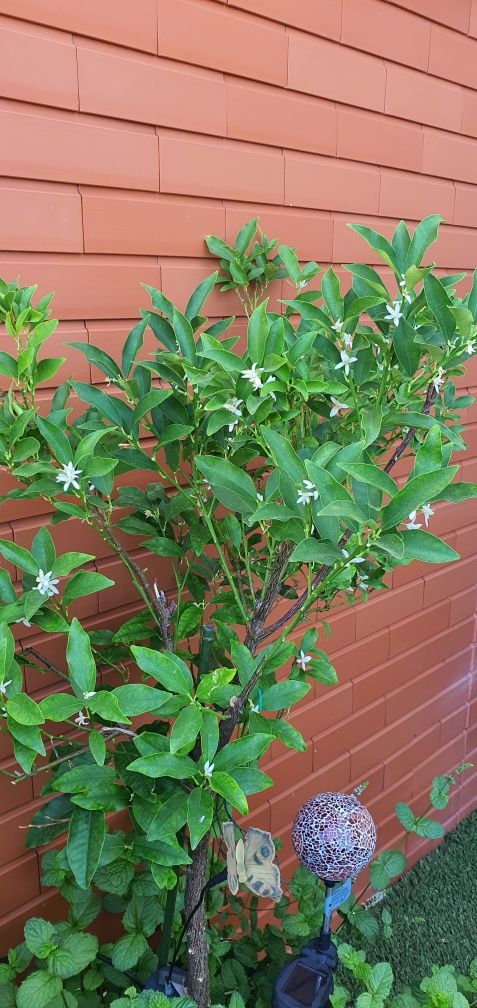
(434, 910)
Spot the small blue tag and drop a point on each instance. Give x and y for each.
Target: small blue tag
(260, 699)
(337, 896)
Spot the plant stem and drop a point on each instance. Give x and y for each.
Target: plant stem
(169, 911)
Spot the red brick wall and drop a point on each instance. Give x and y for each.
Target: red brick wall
(128, 131)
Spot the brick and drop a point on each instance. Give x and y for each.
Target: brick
(463, 605)
(357, 658)
(452, 56)
(387, 676)
(469, 113)
(70, 148)
(384, 744)
(441, 762)
(333, 777)
(450, 641)
(473, 19)
(465, 211)
(423, 99)
(318, 715)
(13, 827)
(319, 67)
(354, 730)
(387, 608)
(342, 629)
(452, 578)
(365, 136)
(452, 725)
(49, 905)
(324, 19)
(87, 287)
(456, 247)
(378, 28)
(114, 20)
(40, 217)
(273, 116)
(414, 196)
(224, 39)
(145, 224)
(288, 770)
(114, 82)
(449, 156)
(329, 184)
(19, 881)
(37, 65)
(418, 628)
(374, 785)
(401, 701)
(310, 233)
(226, 169)
(382, 805)
(179, 279)
(456, 16)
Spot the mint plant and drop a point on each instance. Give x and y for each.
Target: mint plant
(269, 494)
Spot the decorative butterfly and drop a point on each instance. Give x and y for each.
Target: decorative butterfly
(250, 860)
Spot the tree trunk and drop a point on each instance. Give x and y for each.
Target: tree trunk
(196, 935)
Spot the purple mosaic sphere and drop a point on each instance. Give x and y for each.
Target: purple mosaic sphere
(334, 836)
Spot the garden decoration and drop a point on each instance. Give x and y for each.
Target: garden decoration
(263, 480)
(250, 861)
(334, 837)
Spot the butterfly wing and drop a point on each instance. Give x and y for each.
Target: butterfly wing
(232, 873)
(262, 876)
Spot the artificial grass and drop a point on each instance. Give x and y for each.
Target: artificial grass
(434, 910)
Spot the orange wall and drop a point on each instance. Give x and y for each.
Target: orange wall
(129, 130)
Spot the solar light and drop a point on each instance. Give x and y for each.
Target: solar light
(334, 837)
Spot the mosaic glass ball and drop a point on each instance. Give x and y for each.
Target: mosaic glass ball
(334, 836)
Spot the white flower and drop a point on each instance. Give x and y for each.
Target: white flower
(3, 686)
(270, 393)
(412, 521)
(206, 485)
(208, 769)
(260, 498)
(303, 660)
(427, 512)
(82, 720)
(337, 406)
(253, 376)
(394, 312)
(89, 694)
(346, 360)
(303, 283)
(46, 584)
(438, 380)
(354, 560)
(470, 346)
(233, 407)
(254, 707)
(309, 493)
(347, 339)
(67, 476)
(24, 621)
(362, 581)
(202, 819)
(338, 325)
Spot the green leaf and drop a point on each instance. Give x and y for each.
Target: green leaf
(24, 710)
(315, 551)
(407, 351)
(371, 419)
(39, 937)
(429, 455)
(42, 549)
(199, 296)
(74, 955)
(185, 336)
(417, 491)
(330, 289)
(369, 473)
(162, 546)
(166, 668)
(85, 843)
(18, 556)
(212, 349)
(107, 706)
(224, 785)
(422, 545)
(171, 817)
(200, 810)
(150, 401)
(438, 301)
(257, 332)
(85, 583)
(99, 359)
(136, 698)
(59, 706)
(8, 365)
(97, 747)
(80, 660)
(251, 781)
(128, 951)
(38, 990)
(232, 486)
(64, 564)
(406, 816)
(242, 242)
(49, 821)
(424, 235)
(439, 796)
(290, 262)
(133, 344)
(385, 867)
(283, 454)
(164, 765)
(381, 979)
(242, 751)
(185, 729)
(56, 439)
(284, 694)
(378, 243)
(429, 828)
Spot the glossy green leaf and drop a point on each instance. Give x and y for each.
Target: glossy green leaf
(85, 843)
(415, 493)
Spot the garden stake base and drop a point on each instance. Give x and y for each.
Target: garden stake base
(307, 981)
